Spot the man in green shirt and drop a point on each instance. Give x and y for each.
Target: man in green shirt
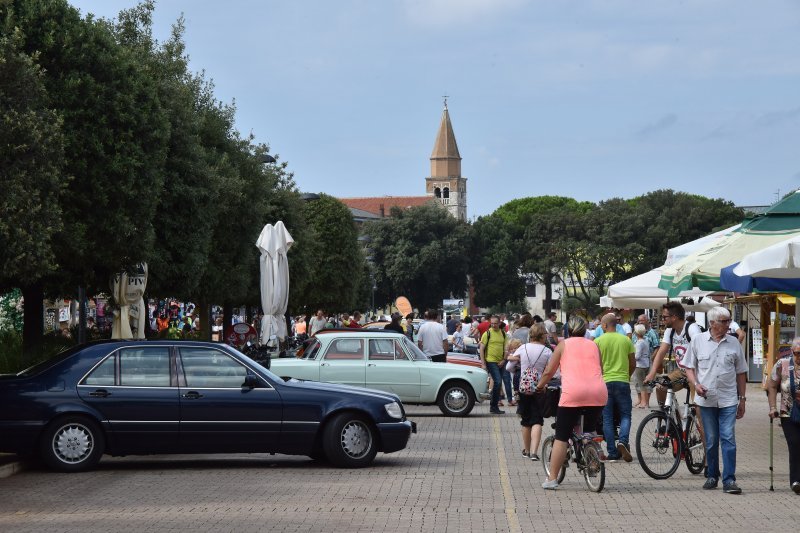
(618, 361)
(493, 349)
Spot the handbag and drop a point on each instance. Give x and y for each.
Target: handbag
(530, 377)
(794, 414)
(548, 401)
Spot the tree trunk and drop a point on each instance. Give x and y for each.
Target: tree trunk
(548, 294)
(33, 325)
(227, 318)
(203, 310)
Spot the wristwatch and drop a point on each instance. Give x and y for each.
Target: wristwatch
(742, 398)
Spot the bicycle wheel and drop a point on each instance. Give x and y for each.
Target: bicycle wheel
(594, 470)
(547, 449)
(658, 445)
(695, 452)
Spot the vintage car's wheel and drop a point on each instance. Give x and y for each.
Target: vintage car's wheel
(456, 399)
(349, 441)
(72, 444)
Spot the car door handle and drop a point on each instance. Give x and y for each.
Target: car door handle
(371, 364)
(324, 364)
(100, 393)
(192, 395)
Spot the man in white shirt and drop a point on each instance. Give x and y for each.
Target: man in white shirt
(735, 329)
(715, 364)
(677, 336)
(317, 322)
(550, 328)
(432, 337)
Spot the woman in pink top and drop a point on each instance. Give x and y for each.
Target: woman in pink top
(583, 391)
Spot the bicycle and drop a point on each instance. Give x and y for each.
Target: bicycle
(665, 437)
(584, 450)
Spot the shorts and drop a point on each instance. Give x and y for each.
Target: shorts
(529, 411)
(568, 417)
(677, 374)
(638, 380)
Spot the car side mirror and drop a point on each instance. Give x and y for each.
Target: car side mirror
(250, 382)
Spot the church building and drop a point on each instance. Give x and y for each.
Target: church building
(445, 185)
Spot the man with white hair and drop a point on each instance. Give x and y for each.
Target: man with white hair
(715, 364)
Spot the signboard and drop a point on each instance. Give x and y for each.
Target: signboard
(758, 346)
(237, 335)
(452, 305)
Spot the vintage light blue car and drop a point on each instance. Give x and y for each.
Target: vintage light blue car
(387, 361)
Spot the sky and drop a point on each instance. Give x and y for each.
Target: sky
(591, 99)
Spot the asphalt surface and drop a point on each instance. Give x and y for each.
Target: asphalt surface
(458, 474)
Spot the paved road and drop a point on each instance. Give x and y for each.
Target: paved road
(457, 475)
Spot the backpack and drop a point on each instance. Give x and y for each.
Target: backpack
(530, 377)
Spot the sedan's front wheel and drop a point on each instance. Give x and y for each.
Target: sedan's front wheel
(456, 399)
(72, 444)
(349, 441)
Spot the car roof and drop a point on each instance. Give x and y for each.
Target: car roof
(358, 331)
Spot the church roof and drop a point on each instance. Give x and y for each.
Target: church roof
(374, 204)
(445, 146)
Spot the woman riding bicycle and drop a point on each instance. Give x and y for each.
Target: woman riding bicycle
(583, 391)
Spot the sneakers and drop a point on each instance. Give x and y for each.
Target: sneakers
(526, 454)
(796, 487)
(731, 488)
(496, 411)
(550, 484)
(623, 450)
(711, 483)
(535, 457)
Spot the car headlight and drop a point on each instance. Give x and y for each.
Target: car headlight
(394, 410)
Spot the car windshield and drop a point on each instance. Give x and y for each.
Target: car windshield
(47, 363)
(416, 353)
(311, 350)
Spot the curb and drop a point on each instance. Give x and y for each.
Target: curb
(9, 469)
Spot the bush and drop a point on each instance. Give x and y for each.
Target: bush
(11, 358)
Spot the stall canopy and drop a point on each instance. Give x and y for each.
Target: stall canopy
(642, 291)
(702, 268)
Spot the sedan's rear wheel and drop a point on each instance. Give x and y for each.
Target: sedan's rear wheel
(349, 441)
(456, 399)
(72, 444)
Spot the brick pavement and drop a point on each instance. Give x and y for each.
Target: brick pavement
(456, 475)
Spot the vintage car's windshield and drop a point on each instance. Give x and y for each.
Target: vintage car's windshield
(311, 350)
(416, 353)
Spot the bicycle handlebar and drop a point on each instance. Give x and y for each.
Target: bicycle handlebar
(664, 381)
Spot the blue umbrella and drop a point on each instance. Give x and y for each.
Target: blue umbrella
(730, 281)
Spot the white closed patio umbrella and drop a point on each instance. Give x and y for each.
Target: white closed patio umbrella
(128, 289)
(273, 243)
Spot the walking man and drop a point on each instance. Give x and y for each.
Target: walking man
(715, 364)
(618, 363)
(493, 348)
(432, 337)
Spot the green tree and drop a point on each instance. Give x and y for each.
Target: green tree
(496, 252)
(327, 267)
(543, 225)
(420, 253)
(31, 163)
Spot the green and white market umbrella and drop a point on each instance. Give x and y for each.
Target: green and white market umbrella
(702, 269)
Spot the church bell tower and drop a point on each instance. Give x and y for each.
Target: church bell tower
(445, 182)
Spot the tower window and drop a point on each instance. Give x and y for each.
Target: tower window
(446, 192)
(437, 192)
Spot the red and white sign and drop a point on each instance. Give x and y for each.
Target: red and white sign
(237, 335)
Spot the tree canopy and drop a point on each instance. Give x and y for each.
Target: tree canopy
(420, 253)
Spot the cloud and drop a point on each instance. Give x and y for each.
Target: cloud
(776, 118)
(437, 13)
(664, 123)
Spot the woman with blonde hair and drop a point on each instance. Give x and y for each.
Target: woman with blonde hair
(533, 355)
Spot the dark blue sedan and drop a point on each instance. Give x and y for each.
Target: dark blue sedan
(148, 397)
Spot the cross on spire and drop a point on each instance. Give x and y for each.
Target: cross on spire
(445, 100)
